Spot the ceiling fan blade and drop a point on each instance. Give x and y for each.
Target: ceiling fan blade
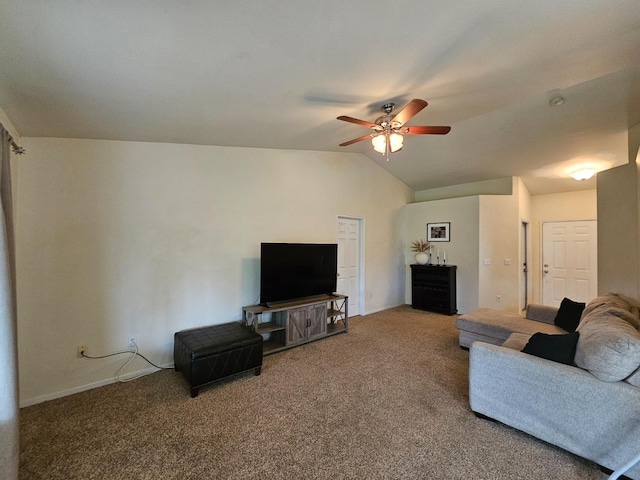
(425, 130)
(409, 111)
(355, 140)
(344, 118)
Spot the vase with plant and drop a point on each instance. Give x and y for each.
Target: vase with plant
(420, 247)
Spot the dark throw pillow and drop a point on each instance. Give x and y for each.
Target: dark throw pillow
(568, 316)
(558, 348)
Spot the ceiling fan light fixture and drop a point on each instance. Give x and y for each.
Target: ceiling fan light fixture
(583, 174)
(379, 143)
(395, 142)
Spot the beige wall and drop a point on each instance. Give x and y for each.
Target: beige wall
(499, 244)
(619, 231)
(482, 227)
(461, 250)
(119, 239)
(498, 186)
(501, 236)
(619, 226)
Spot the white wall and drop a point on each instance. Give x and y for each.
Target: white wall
(557, 207)
(462, 249)
(119, 239)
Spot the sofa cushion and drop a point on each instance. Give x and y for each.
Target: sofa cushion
(608, 347)
(607, 300)
(542, 313)
(517, 341)
(499, 324)
(569, 313)
(558, 348)
(620, 313)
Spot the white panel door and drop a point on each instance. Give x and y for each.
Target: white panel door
(569, 261)
(349, 262)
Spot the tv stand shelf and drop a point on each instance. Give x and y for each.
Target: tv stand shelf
(299, 321)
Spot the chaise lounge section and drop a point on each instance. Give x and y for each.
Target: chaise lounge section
(495, 326)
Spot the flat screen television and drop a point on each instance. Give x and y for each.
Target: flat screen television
(296, 270)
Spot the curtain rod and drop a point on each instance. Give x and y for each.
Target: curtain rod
(17, 149)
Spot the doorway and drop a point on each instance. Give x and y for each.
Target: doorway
(569, 261)
(524, 256)
(349, 235)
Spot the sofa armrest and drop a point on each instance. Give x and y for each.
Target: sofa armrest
(541, 313)
(557, 403)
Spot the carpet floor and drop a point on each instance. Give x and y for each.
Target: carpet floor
(388, 400)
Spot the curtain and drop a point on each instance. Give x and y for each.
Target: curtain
(9, 405)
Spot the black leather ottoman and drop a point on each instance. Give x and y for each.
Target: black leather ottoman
(207, 354)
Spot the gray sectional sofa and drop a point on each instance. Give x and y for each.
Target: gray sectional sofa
(590, 407)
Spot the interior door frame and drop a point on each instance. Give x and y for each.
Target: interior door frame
(525, 265)
(361, 256)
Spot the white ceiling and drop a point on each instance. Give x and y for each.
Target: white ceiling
(277, 73)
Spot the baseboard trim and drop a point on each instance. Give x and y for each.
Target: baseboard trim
(89, 386)
(376, 310)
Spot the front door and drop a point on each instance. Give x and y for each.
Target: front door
(349, 262)
(569, 261)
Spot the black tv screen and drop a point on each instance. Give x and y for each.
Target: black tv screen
(296, 270)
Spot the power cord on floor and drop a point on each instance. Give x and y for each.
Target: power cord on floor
(134, 353)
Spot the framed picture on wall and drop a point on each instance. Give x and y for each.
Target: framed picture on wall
(438, 232)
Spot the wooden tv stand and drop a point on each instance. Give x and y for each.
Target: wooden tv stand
(295, 322)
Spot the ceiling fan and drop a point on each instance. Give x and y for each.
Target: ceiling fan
(388, 130)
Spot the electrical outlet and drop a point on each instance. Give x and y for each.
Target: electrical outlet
(132, 342)
(82, 349)
(498, 298)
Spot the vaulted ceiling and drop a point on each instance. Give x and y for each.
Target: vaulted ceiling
(277, 73)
